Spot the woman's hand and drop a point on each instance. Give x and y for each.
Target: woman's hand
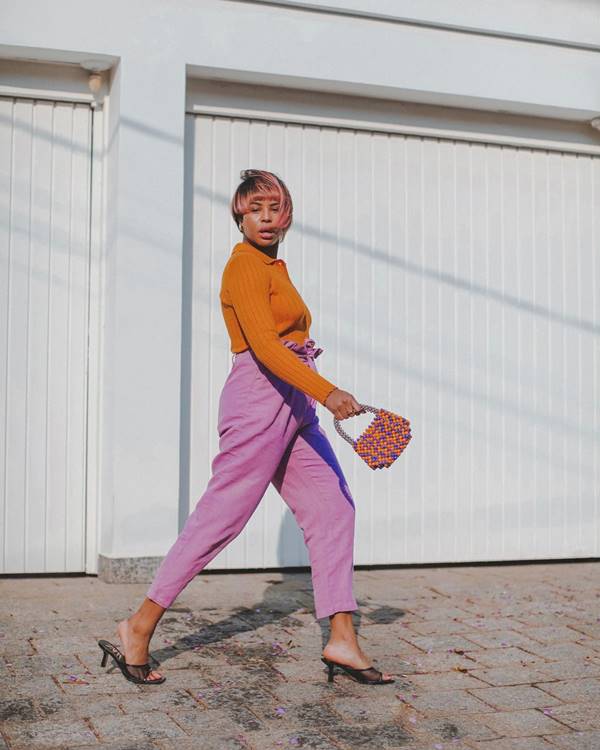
(343, 404)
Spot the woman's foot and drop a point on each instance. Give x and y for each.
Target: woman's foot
(344, 653)
(135, 642)
(343, 644)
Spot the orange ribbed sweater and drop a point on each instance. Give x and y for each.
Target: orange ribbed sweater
(260, 305)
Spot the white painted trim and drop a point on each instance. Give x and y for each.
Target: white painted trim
(56, 95)
(95, 351)
(338, 122)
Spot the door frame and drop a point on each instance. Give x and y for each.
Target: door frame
(34, 83)
(340, 110)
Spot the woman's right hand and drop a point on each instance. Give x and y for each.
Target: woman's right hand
(343, 404)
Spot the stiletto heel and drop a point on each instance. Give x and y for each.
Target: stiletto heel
(330, 671)
(142, 670)
(366, 675)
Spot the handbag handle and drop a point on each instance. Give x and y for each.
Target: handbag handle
(343, 433)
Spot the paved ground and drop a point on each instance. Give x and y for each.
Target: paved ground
(487, 658)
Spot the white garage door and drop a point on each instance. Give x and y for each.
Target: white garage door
(453, 282)
(44, 241)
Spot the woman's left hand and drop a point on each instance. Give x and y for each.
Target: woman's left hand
(342, 404)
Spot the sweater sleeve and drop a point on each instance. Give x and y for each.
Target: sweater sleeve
(248, 285)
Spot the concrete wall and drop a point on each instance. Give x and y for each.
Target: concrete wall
(535, 57)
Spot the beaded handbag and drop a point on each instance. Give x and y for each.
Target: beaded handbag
(383, 440)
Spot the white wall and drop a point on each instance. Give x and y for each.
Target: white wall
(545, 20)
(473, 55)
(535, 56)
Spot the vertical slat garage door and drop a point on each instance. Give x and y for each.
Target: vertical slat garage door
(44, 241)
(453, 282)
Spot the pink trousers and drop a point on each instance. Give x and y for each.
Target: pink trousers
(269, 432)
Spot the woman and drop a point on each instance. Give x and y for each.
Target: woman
(268, 432)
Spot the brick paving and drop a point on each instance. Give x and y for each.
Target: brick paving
(485, 657)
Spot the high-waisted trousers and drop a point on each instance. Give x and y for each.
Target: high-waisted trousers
(269, 432)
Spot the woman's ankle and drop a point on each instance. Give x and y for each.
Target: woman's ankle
(139, 627)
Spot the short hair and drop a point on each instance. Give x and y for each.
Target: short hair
(259, 182)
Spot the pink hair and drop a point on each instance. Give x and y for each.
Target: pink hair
(259, 182)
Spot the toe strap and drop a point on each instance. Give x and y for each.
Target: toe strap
(371, 672)
(141, 671)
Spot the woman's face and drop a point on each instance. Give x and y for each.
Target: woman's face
(257, 224)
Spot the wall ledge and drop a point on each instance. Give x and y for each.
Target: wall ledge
(127, 569)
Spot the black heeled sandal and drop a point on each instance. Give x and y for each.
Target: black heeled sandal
(143, 670)
(368, 675)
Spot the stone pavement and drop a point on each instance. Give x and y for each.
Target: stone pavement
(500, 657)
